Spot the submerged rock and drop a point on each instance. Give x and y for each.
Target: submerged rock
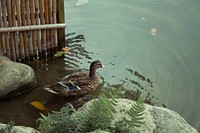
(16, 78)
(157, 119)
(17, 129)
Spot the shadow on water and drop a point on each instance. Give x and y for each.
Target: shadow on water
(49, 70)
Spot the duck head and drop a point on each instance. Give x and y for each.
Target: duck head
(94, 66)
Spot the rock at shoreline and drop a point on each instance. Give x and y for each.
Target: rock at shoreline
(16, 78)
(157, 119)
(18, 129)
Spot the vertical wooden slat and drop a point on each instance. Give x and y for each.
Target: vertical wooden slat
(13, 55)
(4, 16)
(1, 44)
(11, 40)
(24, 23)
(42, 20)
(51, 21)
(55, 40)
(29, 33)
(19, 23)
(16, 43)
(38, 32)
(11, 37)
(32, 10)
(46, 13)
(50, 11)
(61, 19)
(2, 37)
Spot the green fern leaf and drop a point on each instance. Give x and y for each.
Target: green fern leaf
(136, 113)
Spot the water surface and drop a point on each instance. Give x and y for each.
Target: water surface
(118, 32)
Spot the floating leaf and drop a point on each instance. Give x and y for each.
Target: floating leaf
(59, 53)
(65, 49)
(153, 31)
(38, 105)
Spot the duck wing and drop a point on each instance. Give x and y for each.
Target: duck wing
(78, 79)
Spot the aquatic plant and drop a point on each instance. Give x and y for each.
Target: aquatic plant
(97, 115)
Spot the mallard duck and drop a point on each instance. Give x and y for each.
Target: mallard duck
(78, 83)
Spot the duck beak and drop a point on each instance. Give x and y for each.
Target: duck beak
(103, 66)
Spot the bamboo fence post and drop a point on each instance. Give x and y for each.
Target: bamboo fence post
(46, 15)
(38, 32)
(42, 20)
(61, 19)
(13, 7)
(12, 43)
(32, 10)
(29, 33)
(50, 22)
(1, 46)
(2, 37)
(4, 13)
(19, 23)
(24, 23)
(55, 40)
(1, 42)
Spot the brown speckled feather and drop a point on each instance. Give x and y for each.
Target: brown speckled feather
(83, 82)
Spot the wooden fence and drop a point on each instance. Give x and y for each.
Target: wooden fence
(28, 27)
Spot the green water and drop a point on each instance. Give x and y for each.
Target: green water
(118, 33)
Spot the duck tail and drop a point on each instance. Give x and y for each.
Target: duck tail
(49, 89)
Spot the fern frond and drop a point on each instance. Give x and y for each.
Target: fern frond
(60, 121)
(136, 113)
(116, 92)
(63, 114)
(136, 119)
(44, 123)
(133, 130)
(100, 113)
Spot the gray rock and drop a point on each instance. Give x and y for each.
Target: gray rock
(15, 78)
(19, 129)
(157, 119)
